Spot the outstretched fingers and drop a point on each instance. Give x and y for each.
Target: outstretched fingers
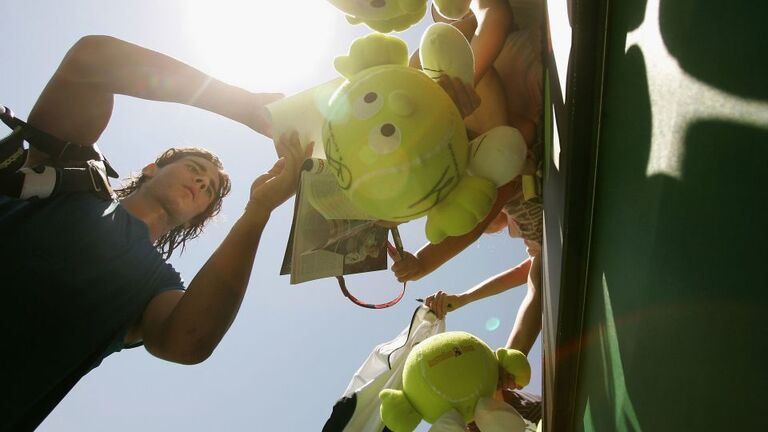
(278, 184)
(437, 304)
(273, 172)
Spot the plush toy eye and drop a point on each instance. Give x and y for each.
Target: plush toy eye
(384, 138)
(367, 106)
(388, 129)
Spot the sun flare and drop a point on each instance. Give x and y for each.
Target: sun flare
(262, 45)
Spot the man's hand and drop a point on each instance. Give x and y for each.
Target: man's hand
(261, 121)
(463, 95)
(407, 268)
(270, 190)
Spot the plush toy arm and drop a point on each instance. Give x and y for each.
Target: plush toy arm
(515, 363)
(453, 9)
(396, 411)
(492, 415)
(352, 20)
(444, 50)
(372, 50)
(451, 421)
(462, 209)
(498, 155)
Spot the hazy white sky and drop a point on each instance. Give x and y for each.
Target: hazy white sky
(292, 349)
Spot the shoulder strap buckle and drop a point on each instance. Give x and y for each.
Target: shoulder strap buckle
(97, 171)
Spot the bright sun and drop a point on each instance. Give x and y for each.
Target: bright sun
(262, 45)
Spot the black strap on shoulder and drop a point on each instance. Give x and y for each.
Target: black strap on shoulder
(12, 153)
(57, 149)
(76, 167)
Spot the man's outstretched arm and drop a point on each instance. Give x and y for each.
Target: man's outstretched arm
(185, 327)
(76, 104)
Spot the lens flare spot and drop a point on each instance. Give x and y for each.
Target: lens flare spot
(492, 324)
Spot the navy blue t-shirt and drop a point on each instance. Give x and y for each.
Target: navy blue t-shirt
(75, 272)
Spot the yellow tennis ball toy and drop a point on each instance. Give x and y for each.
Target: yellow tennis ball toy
(448, 378)
(398, 144)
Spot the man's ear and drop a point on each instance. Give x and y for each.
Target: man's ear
(149, 170)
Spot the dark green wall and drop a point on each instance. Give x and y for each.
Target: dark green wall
(675, 332)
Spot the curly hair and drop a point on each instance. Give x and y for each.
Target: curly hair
(179, 235)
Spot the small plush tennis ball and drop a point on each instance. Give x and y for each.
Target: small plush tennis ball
(396, 15)
(448, 372)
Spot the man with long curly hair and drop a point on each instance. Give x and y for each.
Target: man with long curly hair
(84, 277)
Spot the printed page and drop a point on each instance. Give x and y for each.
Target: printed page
(325, 196)
(319, 246)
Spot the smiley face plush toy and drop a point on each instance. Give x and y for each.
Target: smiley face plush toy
(396, 15)
(449, 380)
(398, 143)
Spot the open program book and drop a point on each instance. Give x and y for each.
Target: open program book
(329, 235)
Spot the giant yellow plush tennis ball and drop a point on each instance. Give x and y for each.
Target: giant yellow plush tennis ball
(398, 144)
(448, 371)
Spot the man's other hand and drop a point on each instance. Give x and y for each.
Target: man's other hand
(270, 190)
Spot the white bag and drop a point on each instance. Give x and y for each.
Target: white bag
(358, 409)
(491, 415)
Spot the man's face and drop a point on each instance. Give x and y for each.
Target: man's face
(184, 188)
